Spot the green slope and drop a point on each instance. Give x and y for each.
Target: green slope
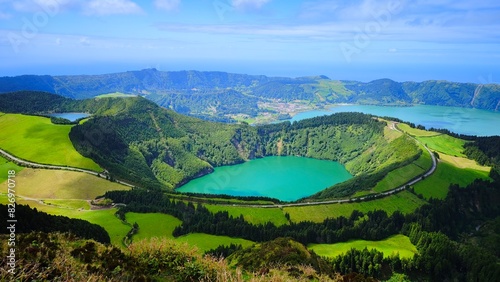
(36, 139)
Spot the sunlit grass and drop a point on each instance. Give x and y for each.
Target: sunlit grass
(403, 201)
(36, 139)
(397, 244)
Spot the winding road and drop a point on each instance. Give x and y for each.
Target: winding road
(25, 163)
(392, 126)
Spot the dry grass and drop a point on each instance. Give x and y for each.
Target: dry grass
(463, 163)
(60, 184)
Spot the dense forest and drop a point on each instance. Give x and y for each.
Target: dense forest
(147, 144)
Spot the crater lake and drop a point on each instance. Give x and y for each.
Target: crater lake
(286, 178)
(69, 116)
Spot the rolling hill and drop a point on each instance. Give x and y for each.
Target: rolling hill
(136, 140)
(220, 95)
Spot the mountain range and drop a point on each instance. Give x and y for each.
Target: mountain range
(218, 95)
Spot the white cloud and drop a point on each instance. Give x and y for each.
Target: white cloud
(248, 4)
(317, 10)
(85, 41)
(58, 41)
(49, 6)
(347, 31)
(111, 7)
(167, 5)
(5, 16)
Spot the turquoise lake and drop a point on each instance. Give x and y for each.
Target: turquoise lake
(286, 178)
(70, 116)
(458, 120)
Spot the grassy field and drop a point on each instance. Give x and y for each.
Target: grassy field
(253, 215)
(390, 246)
(153, 224)
(105, 218)
(404, 201)
(205, 242)
(60, 184)
(162, 225)
(70, 204)
(38, 140)
(464, 163)
(362, 193)
(398, 177)
(416, 132)
(402, 175)
(436, 185)
(444, 144)
(5, 166)
(390, 134)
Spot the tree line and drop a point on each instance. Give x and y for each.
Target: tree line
(30, 220)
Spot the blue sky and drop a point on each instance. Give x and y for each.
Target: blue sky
(359, 39)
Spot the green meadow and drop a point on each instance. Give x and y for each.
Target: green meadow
(36, 139)
(153, 224)
(62, 184)
(162, 225)
(402, 175)
(253, 215)
(436, 185)
(5, 166)
(69, 204)
(444, 144)
(105, 218)
(205, 242)
(397, 244)
(403, 201)
(415, 132)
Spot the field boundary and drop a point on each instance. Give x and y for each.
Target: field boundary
(29, 164)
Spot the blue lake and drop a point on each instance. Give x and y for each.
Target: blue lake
(458, 120)
(286, 178)
(70, 116)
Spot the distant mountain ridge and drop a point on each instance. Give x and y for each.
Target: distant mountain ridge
(211, 93)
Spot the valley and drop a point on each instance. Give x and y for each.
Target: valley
(142, 145)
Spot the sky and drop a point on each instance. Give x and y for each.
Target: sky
(456, 40)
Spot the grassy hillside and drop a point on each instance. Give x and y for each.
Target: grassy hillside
(152, 147)
(404, 202)
(60, 184)
(155, 147)
(153, 225)
(401, 175)
(444, 144)
(5, 166)
(53, 146)
(74, 259)
(253, 215)
(397, 244)
(436, 186)
(205, 242)
(105, 218)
